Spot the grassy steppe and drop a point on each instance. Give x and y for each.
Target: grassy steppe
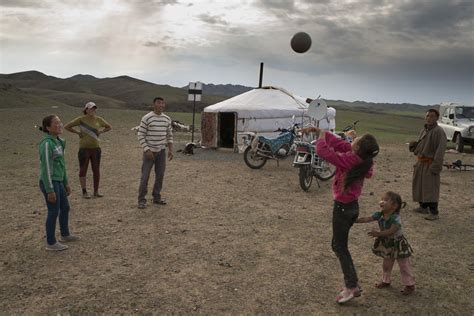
(230, 241)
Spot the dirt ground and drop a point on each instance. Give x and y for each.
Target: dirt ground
(231, 240)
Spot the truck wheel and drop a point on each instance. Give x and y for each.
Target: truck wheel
(459, 144)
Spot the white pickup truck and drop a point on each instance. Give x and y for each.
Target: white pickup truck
(457, 120)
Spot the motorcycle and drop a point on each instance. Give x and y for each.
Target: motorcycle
(311, 165)
(261, 148)
(344, 134)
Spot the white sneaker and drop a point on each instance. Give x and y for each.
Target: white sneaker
(56, 247)
(346, 295)
(69, 238)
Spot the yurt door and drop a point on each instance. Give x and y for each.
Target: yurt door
(209, 129)
(226, 129)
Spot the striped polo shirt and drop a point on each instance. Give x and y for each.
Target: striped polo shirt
(155, 132)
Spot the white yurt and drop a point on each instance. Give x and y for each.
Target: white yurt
(262, 110)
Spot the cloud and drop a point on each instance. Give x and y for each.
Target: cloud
(409, 41)
(161, 45)
(431, 18)
(421, 38)
(277, 5)
(152, 44)
(212, 19)
(22, 3)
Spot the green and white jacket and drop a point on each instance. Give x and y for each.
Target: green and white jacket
(52, 164)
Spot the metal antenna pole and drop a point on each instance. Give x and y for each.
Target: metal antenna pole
(194, 110)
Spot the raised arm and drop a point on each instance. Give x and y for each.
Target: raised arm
(344, 161)
(70, 126)
(338, 144)
(106, 125)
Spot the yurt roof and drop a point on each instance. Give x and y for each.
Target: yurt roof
(266, 102)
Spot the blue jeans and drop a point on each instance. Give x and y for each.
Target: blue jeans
(343, 217)
(59, 209)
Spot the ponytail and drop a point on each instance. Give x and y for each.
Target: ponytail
(367, 150)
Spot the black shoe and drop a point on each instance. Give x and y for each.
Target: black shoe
(141, 205)
(422, 210)
(160, 202)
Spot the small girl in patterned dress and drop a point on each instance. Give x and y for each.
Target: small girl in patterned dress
(390, 244)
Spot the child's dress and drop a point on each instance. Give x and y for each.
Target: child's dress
(395, 246)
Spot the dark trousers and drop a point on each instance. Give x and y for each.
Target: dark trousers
(432, 206)
(343, 217)
(59, 209)
(93, 155)
(160, 165)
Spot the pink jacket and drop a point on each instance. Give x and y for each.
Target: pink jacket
(339, 153)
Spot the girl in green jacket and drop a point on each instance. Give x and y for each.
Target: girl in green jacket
(54, 184)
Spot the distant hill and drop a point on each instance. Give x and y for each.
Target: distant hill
(83, 78)
(122, 91)
(13, 97)
(227, 90)
(407, 109)
(132, 93)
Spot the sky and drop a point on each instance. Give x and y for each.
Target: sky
(403, 51)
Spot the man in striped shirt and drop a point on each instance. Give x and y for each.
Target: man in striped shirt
(154, 135)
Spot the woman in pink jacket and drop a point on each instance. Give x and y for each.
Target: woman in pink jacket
(353, 163)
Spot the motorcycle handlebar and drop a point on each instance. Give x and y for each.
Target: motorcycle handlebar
(286, 130)
(351, 126)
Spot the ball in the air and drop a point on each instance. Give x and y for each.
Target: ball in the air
(301, 42)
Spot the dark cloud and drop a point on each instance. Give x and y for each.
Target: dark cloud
(282, 9)
(163, 45)
(234, 30)
(144, 9)
(168, 2)
(156, 3)
(22, 3)
(212, 19)
(277, 5)
(152, 44)
(434, 18)
(422, 39)
(219, 23)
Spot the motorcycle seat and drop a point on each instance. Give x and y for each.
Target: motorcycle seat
(265, 139)
(276, 143)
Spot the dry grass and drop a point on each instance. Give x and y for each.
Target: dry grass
(232, 240)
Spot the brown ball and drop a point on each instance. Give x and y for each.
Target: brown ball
(301, 42)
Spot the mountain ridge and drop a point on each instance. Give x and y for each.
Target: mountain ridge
(128, 92)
